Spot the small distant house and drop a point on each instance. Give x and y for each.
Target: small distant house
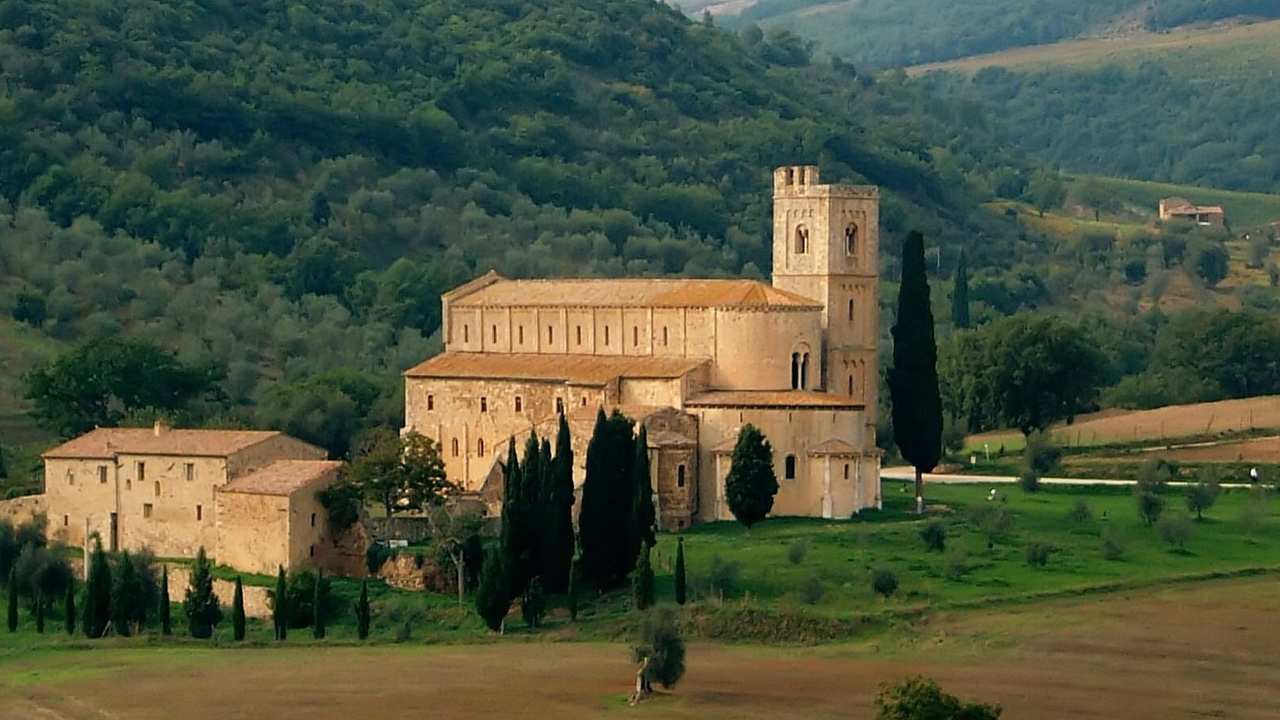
(1176, 208)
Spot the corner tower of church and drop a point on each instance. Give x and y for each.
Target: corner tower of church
(826, 242)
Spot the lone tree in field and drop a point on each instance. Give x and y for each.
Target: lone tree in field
(1202, 495)
(97, 605)
(200, 603)
(493, 597)
(69, 608)
(913, 379)
(920, 698)
(751, 484)
(681, 581)
(362, 611)
(280, 606)
(960, 295)
(166, 623)
(237, 612)
(660, 651)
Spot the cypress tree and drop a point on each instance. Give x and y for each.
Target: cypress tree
(317, 607)
(751, 483)
(681, 582)
(362, 611)
(558, 555)
(97, 606)
(913, 379)
(69, 607)
(511, 540)
(166, 624)
(123, 582)
(13, 600)
(642, 512)
(960, 295)
(605, 522)
(237, 612)
(493, 597)
(201, 604)
(642, 581)
(39, 612)
(280, 608)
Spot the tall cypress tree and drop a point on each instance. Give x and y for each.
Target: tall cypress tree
(362, 611)
(280, 606)
(124, 581)
(643, 520)
(913, 379)
(642, 581)
(97, 606)
(200, 603)
(13, 600)
(593, 519)
(69, 607)
(511, 540)
(559, 540)
(960, 294)
(317, 607)
(237, 612)
(166, 622)
(493, 597)
(751, 484)
(604, 525)
(681, 581)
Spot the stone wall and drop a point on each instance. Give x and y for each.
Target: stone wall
(22, 509)
(256, 603)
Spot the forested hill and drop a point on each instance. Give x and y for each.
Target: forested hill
(284, 189)
(893, 33)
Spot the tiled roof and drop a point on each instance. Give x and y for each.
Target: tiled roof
(834, 446)
(573, 369)
(628, 292)
(105, 443)
(282, 477)
(771, 398)
(667, 438)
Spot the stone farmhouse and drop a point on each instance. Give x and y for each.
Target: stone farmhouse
(693, 360)
(247, 496)
(1176, 208)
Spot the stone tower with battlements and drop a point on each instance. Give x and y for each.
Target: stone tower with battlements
(826, 247)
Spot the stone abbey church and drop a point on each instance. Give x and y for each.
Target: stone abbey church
(693, 360)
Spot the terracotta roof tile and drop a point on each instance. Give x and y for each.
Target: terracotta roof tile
(628, 292)
(834, 446)
(771, 398)
(573, 369)
(282, 477)
(104, 443)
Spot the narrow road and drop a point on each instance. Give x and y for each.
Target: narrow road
(908, 473)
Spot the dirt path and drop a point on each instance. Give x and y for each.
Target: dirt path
(1190, 652)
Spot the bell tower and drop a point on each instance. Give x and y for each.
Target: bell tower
(826, 241)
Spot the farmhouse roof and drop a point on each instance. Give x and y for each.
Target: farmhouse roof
(573, 369)
(283, 477)
(107, 443)
(773, 398)
(494, 291)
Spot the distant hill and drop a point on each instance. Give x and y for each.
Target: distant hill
(894, 33)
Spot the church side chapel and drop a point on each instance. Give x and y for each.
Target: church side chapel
(692, 360)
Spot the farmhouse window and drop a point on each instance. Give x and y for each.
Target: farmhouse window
(484, 404)
(519, 404)
(71, 477)
(157, 488)
(66, 520)
(146, 510)
(790, 467)
(190, 470)
(313, 519)
(455, 447)
(142, 471)
(431, 402)
(102, 473)
(480, 447)
(560, 405)
(199, 512)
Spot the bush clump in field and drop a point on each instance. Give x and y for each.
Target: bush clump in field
(1175, 531)
(1254, 514)
(884, 582)
(934, 536)
(1038, 553)
(920, 698)
(956, 565)
(1029, 481)
(995, 523)
(1080, 513)
(812, 590)
(797, 551)
(1203, 493)
(1150, 507)
(723, 576)
(1156, 472)
(1114, 543)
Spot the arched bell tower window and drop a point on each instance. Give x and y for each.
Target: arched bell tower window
(802, 239)
(851, 240)
(795, 371)
(799, 370)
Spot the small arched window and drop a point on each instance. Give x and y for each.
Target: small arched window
(802, 239)
(804, 371)
(455, 447)
(606, 334)
(560, 405)
(480, 447)
(519, 404)
(664, 336)
(484, 404)
(579, 329)
(680, 476)
(795, 371)
(846, 471)
(520, 334)
(466, 333)
(790, 467)
(431, 402)
(551, 334)
(635, 335)
(851, 240)
(494, 334)
(850, 385)
(851, 311)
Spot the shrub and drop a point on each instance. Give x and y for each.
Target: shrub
(920, 698)
(723, 576)
(642, 581)
(884, 582)
(1154, 473)
(812, 590)
(1114, 543)
(493, 598)
(934, 535)
(201, 604)
(1203, 494)
(1038, 553)
(994, 522)
(1174, 530)
(797, 551)
(660, 641)
(1041, 454)
(956, 565)
(1029, 481)
(375, 556)
(1080, 512)
(1150, 507)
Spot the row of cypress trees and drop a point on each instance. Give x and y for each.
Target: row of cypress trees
(617, 519)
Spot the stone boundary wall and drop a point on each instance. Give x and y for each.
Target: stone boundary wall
(21, 509)
(255, 598)
(413, 529)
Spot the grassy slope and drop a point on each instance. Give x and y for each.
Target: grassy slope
(1230, 45)
(1244, 209)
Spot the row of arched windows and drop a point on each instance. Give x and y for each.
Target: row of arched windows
(850, 240)
(551, 335)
